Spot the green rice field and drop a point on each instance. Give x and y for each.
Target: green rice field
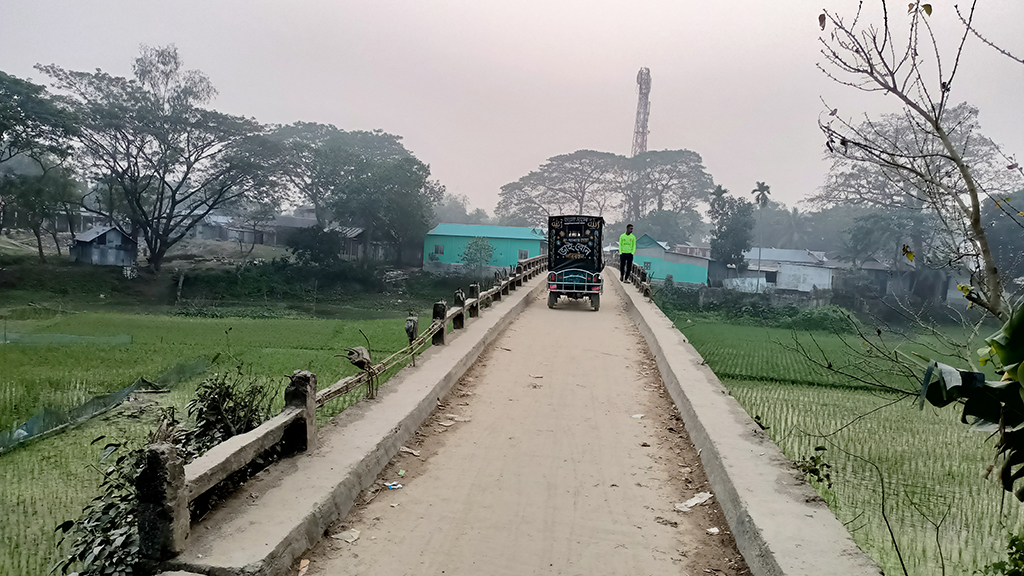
(932, 465)
(49, 480)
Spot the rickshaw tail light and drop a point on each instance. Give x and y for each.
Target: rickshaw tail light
(551, 277)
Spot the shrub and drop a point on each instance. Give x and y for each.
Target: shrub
(827, 318)
(225, 405)
(105, 538)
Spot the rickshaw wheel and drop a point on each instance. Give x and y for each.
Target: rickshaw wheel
(552, 298)
(595, 301)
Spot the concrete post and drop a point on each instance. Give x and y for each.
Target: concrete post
(459, 319)
(441, 336)
(474, 294)
(163, 504)
(519, 275)
(301, 393)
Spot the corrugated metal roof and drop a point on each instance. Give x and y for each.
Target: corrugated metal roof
(348, 231)
(484, 231)
(784, 255)
(93, 233)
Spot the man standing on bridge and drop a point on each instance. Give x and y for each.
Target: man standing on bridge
(627, 246)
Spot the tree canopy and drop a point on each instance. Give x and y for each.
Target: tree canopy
(359, 178)
(733, 221)
(664, 180)
(931, 153)
(592, 182)
(164, 161)
(32, 123)
(576, 183)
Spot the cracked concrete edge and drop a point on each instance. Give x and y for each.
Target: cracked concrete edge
(780, 524)
(312, 528)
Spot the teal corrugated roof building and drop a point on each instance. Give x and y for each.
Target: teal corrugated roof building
(444, 245)
(659, 261)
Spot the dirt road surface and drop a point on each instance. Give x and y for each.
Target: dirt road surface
(539, 462)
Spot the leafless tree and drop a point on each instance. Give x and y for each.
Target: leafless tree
(932, 148)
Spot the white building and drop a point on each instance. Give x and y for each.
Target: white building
(779, 269)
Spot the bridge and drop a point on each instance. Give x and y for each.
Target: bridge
(527, 441)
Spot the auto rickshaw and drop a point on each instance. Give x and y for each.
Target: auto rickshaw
(575, 260)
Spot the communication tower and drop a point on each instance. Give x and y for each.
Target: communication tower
(643, 111)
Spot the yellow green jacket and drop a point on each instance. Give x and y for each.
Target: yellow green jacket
(627, 244)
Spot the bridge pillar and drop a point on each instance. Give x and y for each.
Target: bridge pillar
(301, 393)
(474, 294)
(163, 520)
(459, 319)
(440, 337)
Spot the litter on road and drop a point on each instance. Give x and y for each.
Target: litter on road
(638, 416)
(393, 485)
(697, 500)
(349, 536)
(406, 450)
(713, 531)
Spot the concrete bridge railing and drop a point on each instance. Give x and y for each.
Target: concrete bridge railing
(166, 486)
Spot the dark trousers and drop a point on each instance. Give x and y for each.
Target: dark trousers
(625, 266)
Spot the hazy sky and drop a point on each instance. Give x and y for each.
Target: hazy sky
(484, 91)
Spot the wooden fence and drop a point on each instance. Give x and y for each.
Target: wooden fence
(166, 487)
(641, 279)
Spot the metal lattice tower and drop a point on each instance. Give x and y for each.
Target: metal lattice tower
(643, 111)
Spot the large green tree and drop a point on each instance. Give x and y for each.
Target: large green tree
(32, 126)
(663, 180)
(32, 123)
(319, 160)
(733, 221)
(37, 191)
(394, 202)
(359, 178)
(165, 160)
(576, 183)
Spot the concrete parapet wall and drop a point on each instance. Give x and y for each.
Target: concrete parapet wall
(300, 497)
(781, 526)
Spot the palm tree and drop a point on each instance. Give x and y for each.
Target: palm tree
(761, 194)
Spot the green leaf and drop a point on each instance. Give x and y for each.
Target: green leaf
(995, 402)
(1008, 342)
(927, 9)
(952, 384)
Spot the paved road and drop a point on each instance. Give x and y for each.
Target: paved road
(537, 465)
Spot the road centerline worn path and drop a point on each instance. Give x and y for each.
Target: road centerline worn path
(539, 462)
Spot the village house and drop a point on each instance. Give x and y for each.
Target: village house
(104, 246)
(445, 244)
(661, 260)
(770, 269)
